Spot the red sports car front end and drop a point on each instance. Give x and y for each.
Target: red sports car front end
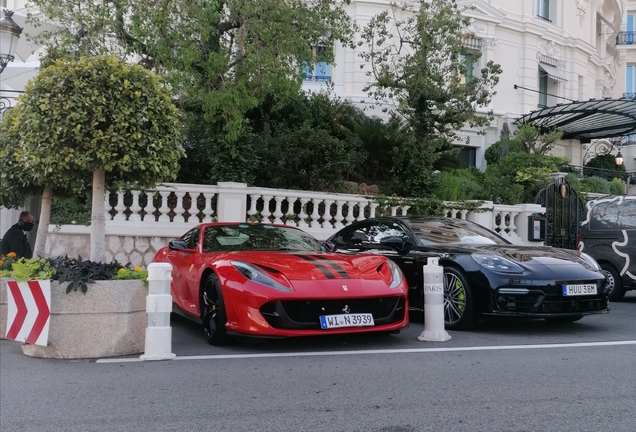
(319, 293)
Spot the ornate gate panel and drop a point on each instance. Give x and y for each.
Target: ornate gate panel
(563, 211)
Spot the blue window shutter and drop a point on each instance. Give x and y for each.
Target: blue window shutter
(306, 72)
(323, 71)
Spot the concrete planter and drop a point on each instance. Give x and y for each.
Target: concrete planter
(109, 320)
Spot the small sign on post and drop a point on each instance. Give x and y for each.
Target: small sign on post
(159, 307)
(434, 303)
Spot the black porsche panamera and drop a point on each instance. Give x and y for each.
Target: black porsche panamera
(484, 274)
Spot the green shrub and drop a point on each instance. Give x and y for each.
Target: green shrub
(74, 210)
(595, 185)
(617, 187)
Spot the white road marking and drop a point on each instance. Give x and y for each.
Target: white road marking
(381, 351)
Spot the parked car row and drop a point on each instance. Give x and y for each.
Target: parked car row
(266, 280)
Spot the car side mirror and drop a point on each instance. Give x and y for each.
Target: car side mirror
(401, 245)
(177, 245)
(329, 246)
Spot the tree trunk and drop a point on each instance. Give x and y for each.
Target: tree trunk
(43, 224)
(98, 220)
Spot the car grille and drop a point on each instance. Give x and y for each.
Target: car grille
(305, 314)
(549, 301)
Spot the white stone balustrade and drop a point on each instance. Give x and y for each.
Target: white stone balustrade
(141, 223)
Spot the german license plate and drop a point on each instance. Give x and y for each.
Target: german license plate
(346, 320)
(579, 289)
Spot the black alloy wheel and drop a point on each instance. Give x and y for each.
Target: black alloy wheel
(213, 312)
(459, 302)
(613, 283)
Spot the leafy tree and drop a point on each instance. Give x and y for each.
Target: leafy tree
(519, 177)
(309, 143)
(527, 139)
(419, 62)
(95, 117)
(17, 184)
(222, 58)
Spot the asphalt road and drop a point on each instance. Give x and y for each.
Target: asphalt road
(506, 376)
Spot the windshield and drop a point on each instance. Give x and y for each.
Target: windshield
(241, 237)
(431, 232)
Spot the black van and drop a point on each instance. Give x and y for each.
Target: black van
(608, 234)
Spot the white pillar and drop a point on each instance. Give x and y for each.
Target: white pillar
(158, 307)
(434, 303)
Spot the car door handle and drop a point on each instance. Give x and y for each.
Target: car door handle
(408, 262)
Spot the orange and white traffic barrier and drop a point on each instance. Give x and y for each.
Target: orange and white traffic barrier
(434, 303)
(159, 306)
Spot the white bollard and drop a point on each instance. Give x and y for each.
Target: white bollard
(159, 307)
(434, 303)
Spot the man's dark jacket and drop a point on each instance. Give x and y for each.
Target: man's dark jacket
(14, 240)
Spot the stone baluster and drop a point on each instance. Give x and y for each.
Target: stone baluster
(315, 214)
(179, 210)
(302, 215)
(266, 213)
(348, 216)
(339, 217)
(372, 209)
(164, 209)
(394, 210)
(463, 214)
(278, 213)
(135, 207)
(405, 210)
(253, 210)
(208, 210)
(327, 214)
(120, 208)
(512, 228)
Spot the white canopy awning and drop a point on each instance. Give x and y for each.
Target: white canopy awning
(552, 72)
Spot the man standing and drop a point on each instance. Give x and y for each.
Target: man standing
(15, 239)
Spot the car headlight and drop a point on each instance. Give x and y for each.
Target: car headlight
(587, 259)
(396, 274)
(256, 275)
(496, 263)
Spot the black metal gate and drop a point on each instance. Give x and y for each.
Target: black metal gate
(563, 211)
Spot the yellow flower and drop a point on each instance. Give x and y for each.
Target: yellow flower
(11, 255)
(122, 270)
(137, 269)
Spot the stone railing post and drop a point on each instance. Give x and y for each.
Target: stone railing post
(231, 202)
(159, 306)
(484, 216)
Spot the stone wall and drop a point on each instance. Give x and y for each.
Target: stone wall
(136, 250)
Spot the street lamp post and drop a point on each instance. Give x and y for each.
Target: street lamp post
(9, 35)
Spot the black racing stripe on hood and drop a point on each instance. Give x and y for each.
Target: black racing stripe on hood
(343, 274)
(319, 266)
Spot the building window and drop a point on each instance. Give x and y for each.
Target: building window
(543, 89)
(318, 71)
(630, 33)
(630, 81)
(468, 61)
(543, 10)
(467, 157)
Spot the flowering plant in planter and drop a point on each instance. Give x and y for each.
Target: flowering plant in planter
(76, 271)
(6, 264)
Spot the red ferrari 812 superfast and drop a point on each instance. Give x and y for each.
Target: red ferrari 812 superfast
(278, 281)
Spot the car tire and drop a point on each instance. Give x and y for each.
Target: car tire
(213, 313)
(564, 320)
(459, 301)
(617, 291)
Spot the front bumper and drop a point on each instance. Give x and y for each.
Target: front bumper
(547, 301)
